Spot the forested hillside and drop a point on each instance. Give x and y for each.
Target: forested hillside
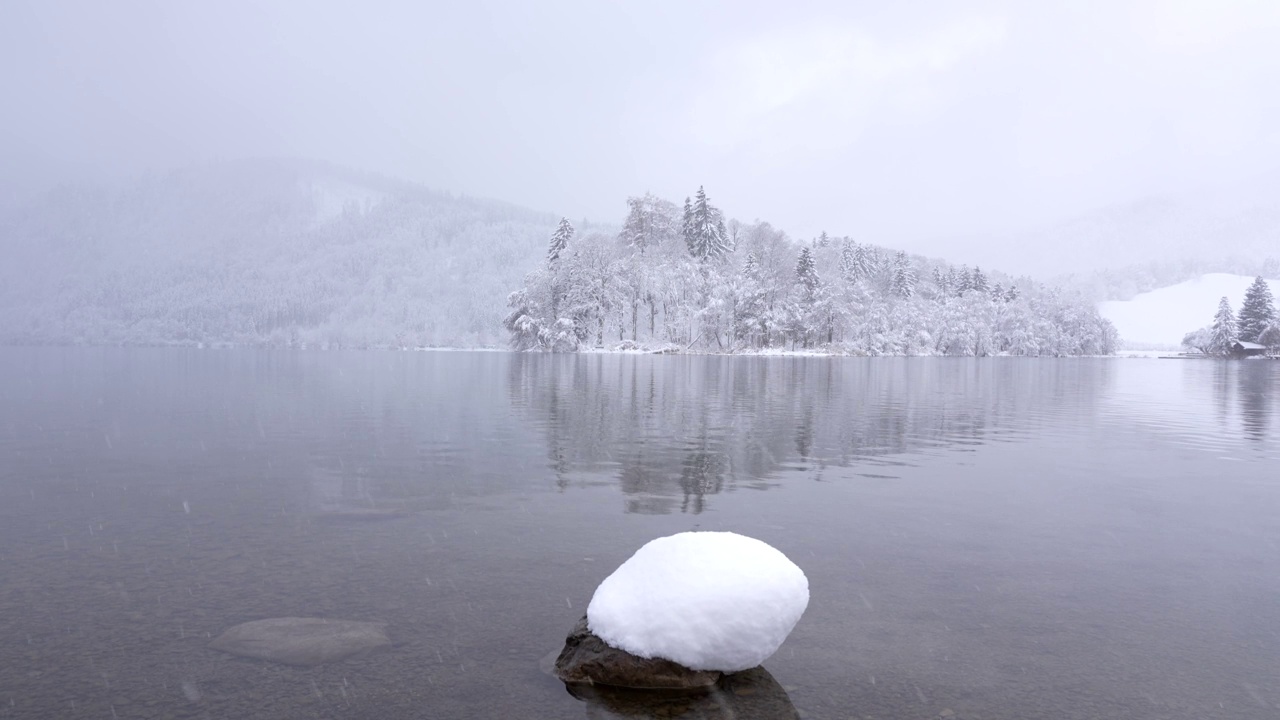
(263, 252)
(690, 280)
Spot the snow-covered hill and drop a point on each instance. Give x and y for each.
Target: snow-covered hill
(1161, 318)
(266, 251)
(1232, 228)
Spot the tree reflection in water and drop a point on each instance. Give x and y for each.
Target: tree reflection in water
(1255, 384)
(671, 431)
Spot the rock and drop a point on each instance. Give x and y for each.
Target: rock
(302, 641)
(748, 694)
(587, 659)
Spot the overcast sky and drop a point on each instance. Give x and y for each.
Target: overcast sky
(902, 123)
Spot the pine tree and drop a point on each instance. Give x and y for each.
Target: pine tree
(978, 281)
(807, 272)
(1257, 312)
(1011, 294)
(849, 270)
(861, 261)
(704, 230)
(686, 223)
(1223, 332)
(559, 240)
(903, 281)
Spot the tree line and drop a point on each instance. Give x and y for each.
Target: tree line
(685, 278)
(1258, 323)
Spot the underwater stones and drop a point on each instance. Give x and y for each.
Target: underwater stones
(302, 641)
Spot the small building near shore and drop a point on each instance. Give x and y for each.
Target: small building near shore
(1239, 348)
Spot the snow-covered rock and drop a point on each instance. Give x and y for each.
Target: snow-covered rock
(705, 600)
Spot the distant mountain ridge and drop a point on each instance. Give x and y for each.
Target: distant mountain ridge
(1120, 251)
(285, 252)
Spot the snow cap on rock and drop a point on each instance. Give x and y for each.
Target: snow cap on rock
(707, 600)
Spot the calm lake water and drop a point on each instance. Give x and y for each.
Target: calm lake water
(993, 538)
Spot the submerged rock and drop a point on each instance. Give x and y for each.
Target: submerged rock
(302, 641)
(587, 659)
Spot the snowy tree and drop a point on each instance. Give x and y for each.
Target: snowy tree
(1199, 340)
(559, 240)
(523, 322)
(650, 222)
(704, 229)
(877, 307)
(1223, 330)
(903, 280)
(751, 311)
(686, 221)
(847, 269)
(1271, 337)
(940, 280)
(978, 281)
(1257, 312)
(806, 272)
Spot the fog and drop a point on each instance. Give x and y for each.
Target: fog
(927, 127)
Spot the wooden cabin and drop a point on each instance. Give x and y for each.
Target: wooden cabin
(1243, 349)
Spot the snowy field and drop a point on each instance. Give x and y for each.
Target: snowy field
(1159, 319)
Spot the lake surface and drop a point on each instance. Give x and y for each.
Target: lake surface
(984, 538)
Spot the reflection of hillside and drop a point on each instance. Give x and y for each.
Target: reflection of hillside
(671, 431)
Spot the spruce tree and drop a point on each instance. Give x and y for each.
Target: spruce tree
(705, 232)
(903, 281)
(861, 261)
(978, 281)
(1223, 332)
(686, 225)
(1257, 312)
(559, 240)
(807, 272)
(848, 268)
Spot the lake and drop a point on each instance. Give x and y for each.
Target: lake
(984, 538)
